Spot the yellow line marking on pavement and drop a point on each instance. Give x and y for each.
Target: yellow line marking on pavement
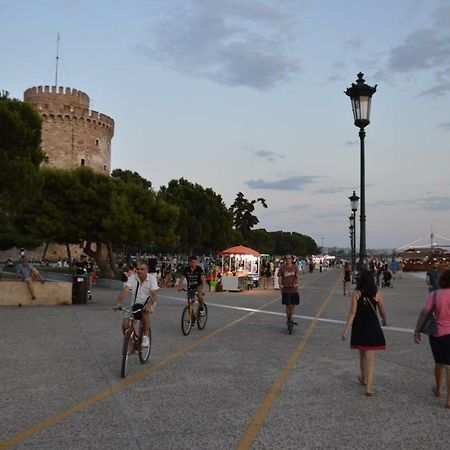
(53, 420)
(263, 411)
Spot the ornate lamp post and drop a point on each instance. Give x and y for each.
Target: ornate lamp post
(360, 94)
(352, 248)
(354, 205)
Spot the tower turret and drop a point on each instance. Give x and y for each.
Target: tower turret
(72, 134)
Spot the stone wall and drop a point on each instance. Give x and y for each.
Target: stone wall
(14, 293)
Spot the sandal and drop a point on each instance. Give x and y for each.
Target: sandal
(371, 393)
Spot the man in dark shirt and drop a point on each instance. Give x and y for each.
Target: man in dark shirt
(81, 266)
(195, 280)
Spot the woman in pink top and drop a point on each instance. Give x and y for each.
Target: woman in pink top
(440, 342)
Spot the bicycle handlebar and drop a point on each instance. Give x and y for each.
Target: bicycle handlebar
(121, 308)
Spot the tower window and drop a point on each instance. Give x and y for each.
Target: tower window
(82, 161)
(46, 159)
(104, 167)
(97, 142)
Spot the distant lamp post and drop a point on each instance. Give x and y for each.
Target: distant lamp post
(352, 248)
(354, 205)
(360, 94)
(354, 202)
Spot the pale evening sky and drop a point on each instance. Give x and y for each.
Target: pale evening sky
(248, 95)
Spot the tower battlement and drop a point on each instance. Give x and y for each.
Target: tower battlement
(72, 134)
(58, 95)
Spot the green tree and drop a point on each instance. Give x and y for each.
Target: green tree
(204, 222)
(150, 218)
(81, 205)
(243, 218)
(293, 243)
(261, 240)
(20, 157)
(129, 177)
(77, 206)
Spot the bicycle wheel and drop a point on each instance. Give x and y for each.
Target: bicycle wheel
(201, 320)
(144, 352)
(126, 351)
(186, 321)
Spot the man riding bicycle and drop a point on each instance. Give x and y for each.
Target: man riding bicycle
(288, 280)
(195, 280)
(144, 287)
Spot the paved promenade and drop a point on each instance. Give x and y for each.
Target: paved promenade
(241, 383)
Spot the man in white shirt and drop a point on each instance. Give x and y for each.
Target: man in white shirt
(144, 287)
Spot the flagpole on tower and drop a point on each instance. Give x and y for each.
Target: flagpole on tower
(57, 60)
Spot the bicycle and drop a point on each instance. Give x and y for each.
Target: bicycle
(132, 338)
(190, 316)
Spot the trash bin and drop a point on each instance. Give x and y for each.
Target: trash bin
(79, 288)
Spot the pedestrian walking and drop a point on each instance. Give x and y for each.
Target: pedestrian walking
(367, 335)
(438, 301)
(267, 276)
(288, 281)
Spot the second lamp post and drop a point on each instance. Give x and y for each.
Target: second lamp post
(354, 205)
(360, 94)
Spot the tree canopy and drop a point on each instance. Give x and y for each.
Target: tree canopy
(242, 209)
(81, 205)
(281, 242)
(129, 177)
(20, 157)
(204, 221)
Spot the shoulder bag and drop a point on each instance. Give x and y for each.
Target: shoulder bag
(369, 300)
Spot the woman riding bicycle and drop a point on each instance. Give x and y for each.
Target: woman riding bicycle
(288, 280)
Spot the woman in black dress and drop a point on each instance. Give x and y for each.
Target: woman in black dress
(367, 335)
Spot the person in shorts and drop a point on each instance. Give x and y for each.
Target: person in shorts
(28, 274)
(195, 280)
(143, 289)
(288, 280)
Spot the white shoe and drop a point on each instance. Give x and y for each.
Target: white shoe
(145, 341)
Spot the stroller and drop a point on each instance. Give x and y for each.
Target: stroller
(387, 279)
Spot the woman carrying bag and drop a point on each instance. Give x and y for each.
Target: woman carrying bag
(367, 335)
(437, 308)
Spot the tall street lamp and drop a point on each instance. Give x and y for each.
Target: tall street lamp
(354, 205)
(360, 94)
(352, 248)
